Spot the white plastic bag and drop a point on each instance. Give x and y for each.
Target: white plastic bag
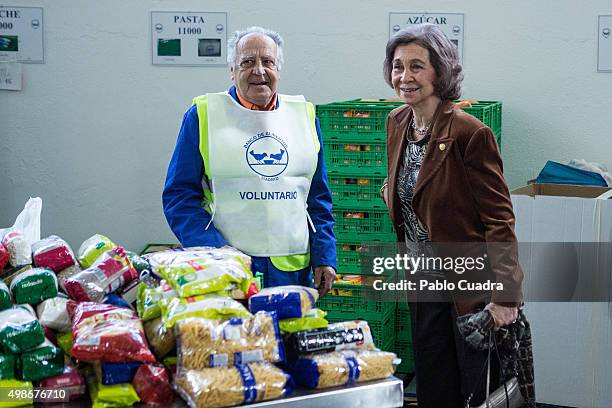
(28, 221)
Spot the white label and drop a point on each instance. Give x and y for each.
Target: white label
(21, 34)
(188, 38)
(10, 76)
(450, 23)
(604, 44)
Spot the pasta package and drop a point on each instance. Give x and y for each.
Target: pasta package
(206, 343)
(149, 298)
(152, 383)
(108, 396)
(139, 263)
(53, 313)
(162, 341)
(314, 319)
(115, 373)
(53, 253)
(287, 301)
(21, 388)
(67, 273)
(41, 362)
(108, 333)
(5, 296)
(20, 252)
(34, 286)
(203, 270)
(354, 334)
(19, 330)
(92, 248)
(108, 273)
(7, 366)
(206, 306)
(69, 381)
(225, 387)
(342, 368)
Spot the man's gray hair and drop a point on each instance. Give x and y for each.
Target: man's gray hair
(443, 56)
(238, 35)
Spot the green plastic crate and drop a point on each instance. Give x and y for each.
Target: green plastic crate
(356, 117)
(345, 302)
(489, 113)
(363, 225)
(382, 329)
(355, 156)
(403, 327)
(356, 191)
(348, 257)
(404, 351)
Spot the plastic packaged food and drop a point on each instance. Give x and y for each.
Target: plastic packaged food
(287, 301)
(67, 273)
(64, 341)
(4, 256)
(7, 366)
(92, 248)
(314, 319)
(139, 263)
(5, 296)
(206, 306)
(116, 300)
(70, 381)
(18, 248)
(52, 313)
(108, 333)
(204, 343)
(224, 387)
(19, 330)
(108, 396)
(342, 368)
(22, 388)
(148, 299)
(34, 286)
(152, 383)
(115, 373)
(354, 335)
(53, 253)
(41, 362)
(108, 273)
(202, 270)
(162, 341)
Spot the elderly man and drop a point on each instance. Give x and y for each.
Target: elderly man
(248, 171)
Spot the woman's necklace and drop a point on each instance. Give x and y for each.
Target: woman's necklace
(420, 131)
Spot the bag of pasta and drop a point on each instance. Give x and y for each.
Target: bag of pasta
(342, 368)
(161, 340)
(314, 319)
(34, 286)
(20, 252)
(287, 301)
(53, 253)
(108, 333)
(53, 314)
(202, 270)
(19, 329)
(207, 306)
(204, 343)
(225, 387)
(107, 396)
(148, 299)
(354, 335)
(108, 273)
(41, 362)
(22, 390)
(92, 248)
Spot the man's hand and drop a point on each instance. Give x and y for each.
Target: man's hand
(502, 315)
(323, 279)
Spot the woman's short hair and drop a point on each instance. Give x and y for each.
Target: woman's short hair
(238, 35)
(443, 56)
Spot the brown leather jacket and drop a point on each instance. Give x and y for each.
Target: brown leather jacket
(460, 194)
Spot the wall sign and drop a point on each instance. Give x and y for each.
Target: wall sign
(604, 44)
(451, 24)
(189, 38)
(21, 34)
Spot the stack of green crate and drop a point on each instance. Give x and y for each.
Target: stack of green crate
(354, 143)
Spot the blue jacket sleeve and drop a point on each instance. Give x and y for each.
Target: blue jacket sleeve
(322, 242)
(182, 196)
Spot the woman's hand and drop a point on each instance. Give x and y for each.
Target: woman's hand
(383, 193)
(502, 315)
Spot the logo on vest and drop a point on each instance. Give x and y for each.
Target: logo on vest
(267, 155)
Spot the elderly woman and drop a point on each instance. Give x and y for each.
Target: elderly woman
(445, 184)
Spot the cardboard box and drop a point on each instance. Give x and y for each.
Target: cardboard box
(572, 341)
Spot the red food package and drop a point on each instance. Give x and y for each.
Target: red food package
(70, 381)
(53, 253)
(152, 383)
(110, 271)
(4, 256)
(108, 333)
(50, 335)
